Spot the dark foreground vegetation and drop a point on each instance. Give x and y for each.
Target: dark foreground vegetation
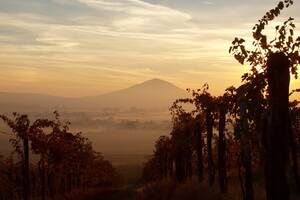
(63, 163)
(245, 141)
(244, 144)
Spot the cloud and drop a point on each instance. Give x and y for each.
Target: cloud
(208, 3)
(135, 7)
(139, 16)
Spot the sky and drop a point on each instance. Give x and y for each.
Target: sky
(87, 47)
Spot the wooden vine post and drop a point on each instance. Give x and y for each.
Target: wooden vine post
(277, 147)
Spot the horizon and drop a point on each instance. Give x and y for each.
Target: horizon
(121, 89)
(60, 47)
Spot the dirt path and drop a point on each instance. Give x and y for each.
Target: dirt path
(124, 193)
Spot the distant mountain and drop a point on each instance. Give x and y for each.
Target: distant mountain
(152, 94)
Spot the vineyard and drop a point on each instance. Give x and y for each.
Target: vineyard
(243, 144)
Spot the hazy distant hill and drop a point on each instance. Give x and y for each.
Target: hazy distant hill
(152, 94)
(31, 102)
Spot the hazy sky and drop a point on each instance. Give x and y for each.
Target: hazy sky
(87, 47)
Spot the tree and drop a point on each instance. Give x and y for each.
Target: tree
(224, 104)
(199, 144)
(294, 138)
(205, 102)
(162, 153)
(67, 160)
(24, 130)
(181, 140)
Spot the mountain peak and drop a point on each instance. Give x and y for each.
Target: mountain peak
(157, 80)
(156, 84)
